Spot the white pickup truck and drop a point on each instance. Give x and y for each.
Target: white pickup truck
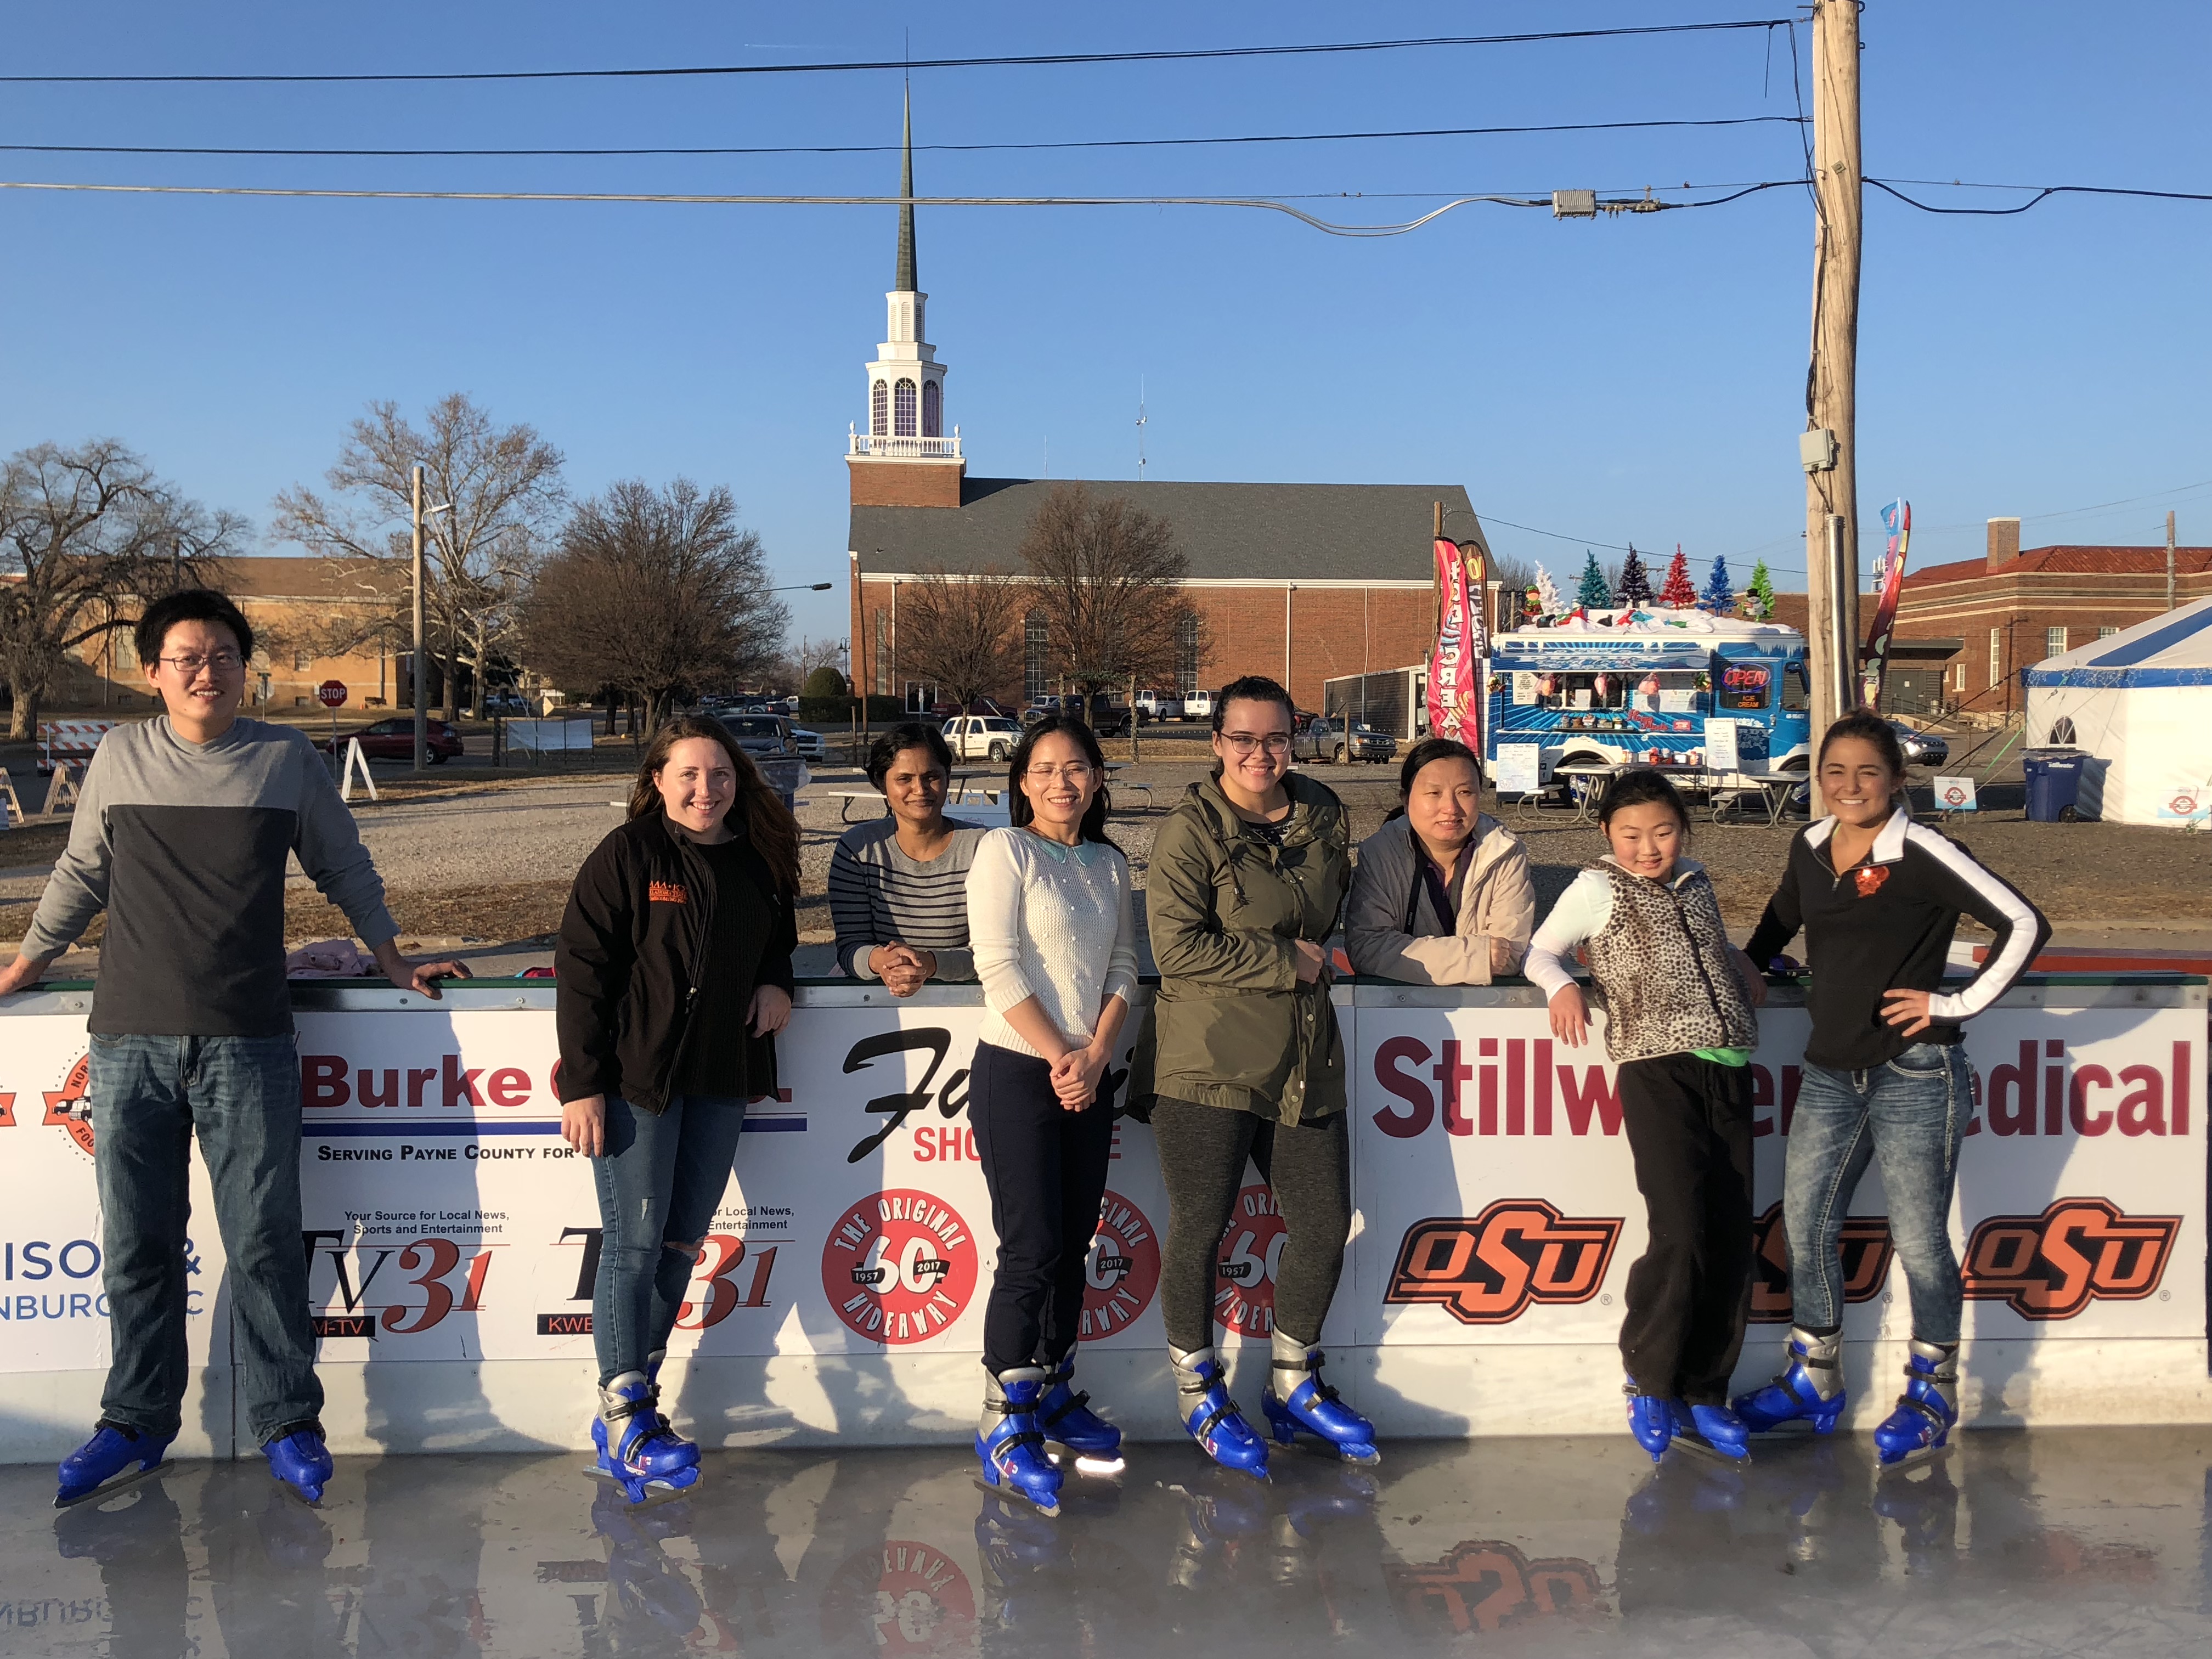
(981, 737)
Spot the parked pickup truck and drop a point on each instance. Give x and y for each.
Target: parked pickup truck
(981, 737)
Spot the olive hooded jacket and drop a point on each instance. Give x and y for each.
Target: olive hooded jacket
(1230, 1025)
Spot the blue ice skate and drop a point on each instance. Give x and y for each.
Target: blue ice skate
(1071, 1427)
(637, 1448)
(1310, 1406)
(1809, 1390)
(1651, 1419)
(1921, 1425)
(298, 1457)
(1210, 1418)
(1009, 1443)
(1711, 1431)
(115, 1456)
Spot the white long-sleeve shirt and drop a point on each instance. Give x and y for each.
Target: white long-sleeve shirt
(1051, 922)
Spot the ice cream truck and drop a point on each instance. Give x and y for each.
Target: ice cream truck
(1619, 687)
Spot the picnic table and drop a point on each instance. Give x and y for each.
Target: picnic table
(966, 787)
(1772, 790)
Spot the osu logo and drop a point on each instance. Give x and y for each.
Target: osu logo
(1487, 1270)
(899, 1266)
(1123, 1273)
(67, 1108)
(2079, 1250)
(1483, 1585)
(1867, 1249)
(1251, 1250)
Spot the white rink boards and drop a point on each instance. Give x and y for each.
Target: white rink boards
(452, 1235)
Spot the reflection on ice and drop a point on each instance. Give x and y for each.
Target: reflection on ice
(2085, 1540)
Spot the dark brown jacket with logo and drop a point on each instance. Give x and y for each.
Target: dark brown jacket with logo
(630, 961)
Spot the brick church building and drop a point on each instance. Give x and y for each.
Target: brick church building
(1300, 582)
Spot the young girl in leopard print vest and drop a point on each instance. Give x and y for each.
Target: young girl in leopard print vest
(1679, 1025)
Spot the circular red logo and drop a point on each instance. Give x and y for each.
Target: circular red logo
(899, 1266)
(1123, 1273)
(65, 1104)
(2184, 807)
(912, 1598)
(1244, 1297)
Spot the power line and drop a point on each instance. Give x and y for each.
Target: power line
(904, 65)
(1645, 204)
(886, 150)
(2042, 193)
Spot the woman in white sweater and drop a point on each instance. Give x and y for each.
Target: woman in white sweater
(1049, 920)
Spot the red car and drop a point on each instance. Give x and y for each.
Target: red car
(394, 740)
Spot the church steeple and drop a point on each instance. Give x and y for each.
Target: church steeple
(906, 386)
(903, 281)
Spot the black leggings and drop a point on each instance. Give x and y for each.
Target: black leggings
(1046, 1168)
(1309, 1168)
(1689, 1130)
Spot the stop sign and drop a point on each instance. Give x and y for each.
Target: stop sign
(331, 693)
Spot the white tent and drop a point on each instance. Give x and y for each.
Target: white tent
(2140, 703)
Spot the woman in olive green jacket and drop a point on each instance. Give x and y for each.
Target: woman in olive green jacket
(1243, 1058)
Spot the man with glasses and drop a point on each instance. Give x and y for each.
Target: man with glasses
(181, 836)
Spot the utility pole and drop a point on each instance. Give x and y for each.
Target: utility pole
(2169, 558)
(1831, 461)
(421, 708)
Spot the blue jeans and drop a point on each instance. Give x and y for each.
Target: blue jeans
(240, 1095)
(658, 1182)
(1912, 1113)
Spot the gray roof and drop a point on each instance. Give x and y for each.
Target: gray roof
(1258, 531)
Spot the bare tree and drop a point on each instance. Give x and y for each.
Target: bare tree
(657, 591)
(800, 660)
(1108, 577)
(505, 486)
(962, 630)
(87, 535)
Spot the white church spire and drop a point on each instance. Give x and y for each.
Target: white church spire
(906, 383)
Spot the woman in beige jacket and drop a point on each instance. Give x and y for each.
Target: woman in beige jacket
(1442, 895)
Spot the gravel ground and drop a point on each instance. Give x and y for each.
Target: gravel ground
(490, 862)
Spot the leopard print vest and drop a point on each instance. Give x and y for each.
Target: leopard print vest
(1662, 963)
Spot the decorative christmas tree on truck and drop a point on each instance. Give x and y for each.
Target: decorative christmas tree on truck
(1548, 602)
(1677, 591)
(1760, 594)
(1720, 591)
(1593, 591)
(1635, 581)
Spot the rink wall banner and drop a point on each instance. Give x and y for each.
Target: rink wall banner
(1496, 1206)
(1494, 1182)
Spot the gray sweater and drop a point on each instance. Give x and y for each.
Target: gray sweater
(184, 845)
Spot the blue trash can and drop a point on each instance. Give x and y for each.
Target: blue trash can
(2054, 784)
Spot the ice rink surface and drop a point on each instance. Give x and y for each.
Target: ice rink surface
(2077, 1542)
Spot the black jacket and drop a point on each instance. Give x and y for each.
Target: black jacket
(1886, 925)
(628, 964)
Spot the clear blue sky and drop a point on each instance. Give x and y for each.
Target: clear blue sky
(1639, 378)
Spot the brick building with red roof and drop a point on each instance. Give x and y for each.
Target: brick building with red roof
(2012, 608)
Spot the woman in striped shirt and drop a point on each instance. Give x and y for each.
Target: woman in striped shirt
(898, 887)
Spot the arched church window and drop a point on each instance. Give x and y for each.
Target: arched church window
(903, 409)
(879, 410)
(932, 410)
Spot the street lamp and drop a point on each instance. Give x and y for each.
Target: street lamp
(421, 708)
(802, 587)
